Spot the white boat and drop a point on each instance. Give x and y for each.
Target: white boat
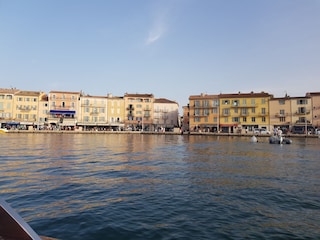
(12, 226)
(279, 140)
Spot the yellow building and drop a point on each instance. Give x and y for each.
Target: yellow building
(26, 108)
(138, 111)
(63, 109)
(6, 107)
(315, 101)
(204, 113)
(244, 112)
(116, 112)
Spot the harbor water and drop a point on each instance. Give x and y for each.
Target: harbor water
(140, 186)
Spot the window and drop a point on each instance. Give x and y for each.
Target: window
(235, 102)
(253, 119)
(215, 119)
(226, 111)
(196, 119)
(244, 102)
(226, 120)
(253, 110)
(197, 103)
(301, 110)
(8, 97)
(302, 101)
(235, 119)
(263, 110)
(139, 106)
(197, 112)
(226, 102)
(282, 112)
(281, 102)
(214, 110)
(206, 112)
(1, 96)
(244, 119)
(282, 119)
(263, 101)
(253, 102)
(215, 102)
(263, 119)
(205, 103)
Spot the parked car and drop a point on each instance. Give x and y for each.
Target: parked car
(261, 131)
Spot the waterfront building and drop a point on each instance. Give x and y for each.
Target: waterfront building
(204, 113)
(116, 112)
(280, 113)
(26, 108)
(165, 114)
(138, 111)
(92, 113)
(63, 109)
(43, 112)
(6, 107)
(185, 118)
(301, 109)
(315, 101)
(241, 112)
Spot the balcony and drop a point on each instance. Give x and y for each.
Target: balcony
(302, 112)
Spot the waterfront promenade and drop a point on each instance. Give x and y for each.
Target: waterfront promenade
(288, 135)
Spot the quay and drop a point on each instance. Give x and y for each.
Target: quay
(159, 133)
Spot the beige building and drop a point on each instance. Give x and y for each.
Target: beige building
(301, 108)
(138, 111)
(116, 112)
(26, 108)
(165, 114)
(63, 109)
(280, 113)
(92, 112)
(315, 100)
(6, 107)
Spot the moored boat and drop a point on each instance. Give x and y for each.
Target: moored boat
(3, 130)
(279, 140)
(12, 226)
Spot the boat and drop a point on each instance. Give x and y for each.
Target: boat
(279, 140)
(12, 225)
(3, 130)
(253, 139)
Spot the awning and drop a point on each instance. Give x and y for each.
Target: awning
(229, 125)
(62, 112)
(13, 123)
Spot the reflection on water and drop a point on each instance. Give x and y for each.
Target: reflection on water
(135, 186)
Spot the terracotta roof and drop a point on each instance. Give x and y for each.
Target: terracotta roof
(146, 95)
(163, 100)
(9, 90)
(64, 92)
(245, 95)
(28, 93)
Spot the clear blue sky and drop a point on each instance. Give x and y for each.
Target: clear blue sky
(171, 48)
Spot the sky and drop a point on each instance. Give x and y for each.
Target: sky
(170, 48)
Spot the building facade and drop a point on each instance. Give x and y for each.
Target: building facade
(204, 113)
(138, 111)
(165, 114)
(63, 109)
(244, 112)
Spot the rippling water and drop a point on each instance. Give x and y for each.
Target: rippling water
(135, 186)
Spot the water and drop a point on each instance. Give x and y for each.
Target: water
(123, 186)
